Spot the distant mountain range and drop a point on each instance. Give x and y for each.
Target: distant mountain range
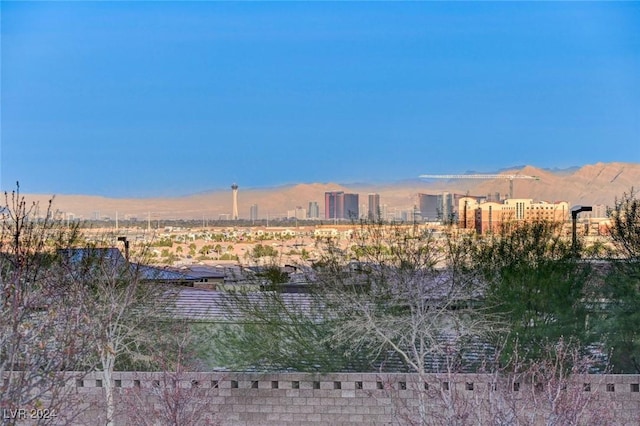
(587, 185)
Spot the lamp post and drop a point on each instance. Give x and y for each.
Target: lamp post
(575, 210)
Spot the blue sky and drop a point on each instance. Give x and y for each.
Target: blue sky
(160, 98)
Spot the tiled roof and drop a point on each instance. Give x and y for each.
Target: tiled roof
(113, 258)
(215, 306)
(200, 271)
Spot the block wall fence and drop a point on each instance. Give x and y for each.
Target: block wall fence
(227, 398)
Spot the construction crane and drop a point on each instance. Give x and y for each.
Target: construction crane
(484, 176)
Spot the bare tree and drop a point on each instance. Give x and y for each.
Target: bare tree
(119, 302)
(559, 390)
(409, 302)
(42, 333)
(407, 292)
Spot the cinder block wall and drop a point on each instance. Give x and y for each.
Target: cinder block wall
(334, 399)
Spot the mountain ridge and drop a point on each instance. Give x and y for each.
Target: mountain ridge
(590, 184)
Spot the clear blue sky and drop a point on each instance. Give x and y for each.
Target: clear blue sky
(146, 99)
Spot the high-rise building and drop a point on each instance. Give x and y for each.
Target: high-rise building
(234, 214)
(253, 212)
(334, 205)
(338, 205)
(429, 207)
(374, 207)
(314, 210)
(441, 207)
(351, 207)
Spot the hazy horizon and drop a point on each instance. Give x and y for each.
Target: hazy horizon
(356, 185)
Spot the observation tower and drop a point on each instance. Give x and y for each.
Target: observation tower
(234, 215)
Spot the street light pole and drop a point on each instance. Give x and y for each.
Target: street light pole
(574, 218)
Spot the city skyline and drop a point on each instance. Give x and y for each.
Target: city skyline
(142, 99)
(588, 185)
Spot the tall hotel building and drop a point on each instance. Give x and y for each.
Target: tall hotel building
(437, 208)
(374, 207)
(253, 212)
(313, 212)
(338, 205)
(351, 207)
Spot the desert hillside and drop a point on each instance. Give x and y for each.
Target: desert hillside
(591, 184)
